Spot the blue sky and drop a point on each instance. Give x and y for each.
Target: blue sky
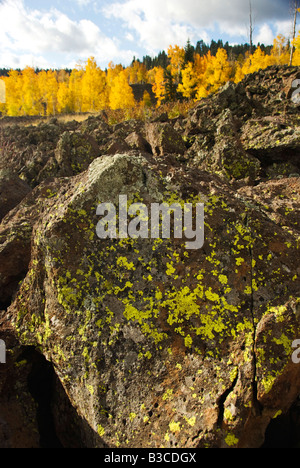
(59, 34)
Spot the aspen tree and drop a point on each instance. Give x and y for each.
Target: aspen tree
(176, 56)
(159, 86)
(188, 87)
(296, 57)
(31, 96)
(93, 87)
(13, 85)
(48, 88)
(121, 94)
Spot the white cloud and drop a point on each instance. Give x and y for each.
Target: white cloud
(13, 60)
(265, 35)
(45, 35)
(284, 27)
(156, 28)
(83, 3)
(160, 23)
(30, 35)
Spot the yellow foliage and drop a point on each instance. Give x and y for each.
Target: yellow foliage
(75, 95)
(176, 56)
(217, 73)
(200, 63)
(30, 93)
(257, 61)
(280, 51)
(159, 85)
(137, 73)
(63, 97)
(121, 94)
(93, 87)
(189, 82)
(254, 62)
(296, 58)
(113, 71)
(89, 89)
(13, 93)
(239, 74)
(48, 88)
(280, 55)
(146, 102)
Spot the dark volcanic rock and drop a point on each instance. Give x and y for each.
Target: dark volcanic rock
(135, 327)
(74, 153)
(163, 139)
(246, 128)
(12, 191)
(153, 344)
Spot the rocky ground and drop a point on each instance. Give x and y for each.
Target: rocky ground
(141, 342)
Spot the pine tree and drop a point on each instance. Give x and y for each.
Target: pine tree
(189, 52)
(170, 86)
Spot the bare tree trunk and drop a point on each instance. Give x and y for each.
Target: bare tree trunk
(294, 32)
(251, 27)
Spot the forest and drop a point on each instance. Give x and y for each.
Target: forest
(187, 73)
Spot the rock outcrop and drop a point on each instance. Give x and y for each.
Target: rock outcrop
(151, 344)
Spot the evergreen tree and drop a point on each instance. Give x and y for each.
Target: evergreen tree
(201, 48)
(170, 87)
(189, 52)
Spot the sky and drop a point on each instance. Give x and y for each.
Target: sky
(60, 34)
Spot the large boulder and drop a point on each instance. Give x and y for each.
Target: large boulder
(156, 345)
(27, 150)
(163, 139)
(140, 341)
(74, 152)
(12, 191)
(249, 130)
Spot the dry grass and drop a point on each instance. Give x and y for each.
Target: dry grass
(172, 109)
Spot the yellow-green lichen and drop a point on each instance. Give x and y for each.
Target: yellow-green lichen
(228, 416)
(191, 421)
(268, 382)
(123, 262)
(168, 395)
(231, 440)
(174, 427)
(223, 279)
(100, 430)
(132, 416)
